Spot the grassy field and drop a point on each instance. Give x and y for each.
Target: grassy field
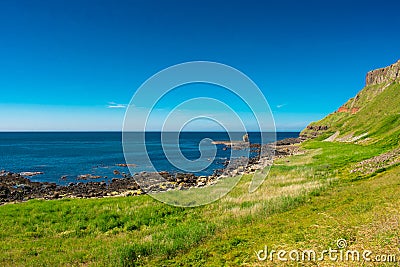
(307, 202)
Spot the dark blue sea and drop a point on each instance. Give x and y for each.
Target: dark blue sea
(71, 154)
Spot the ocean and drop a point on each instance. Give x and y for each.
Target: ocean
(70, 154)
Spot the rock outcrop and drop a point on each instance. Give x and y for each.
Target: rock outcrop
(313, 131)
(384, 75)
(352, 110)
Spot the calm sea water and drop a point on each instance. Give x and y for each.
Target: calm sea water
(70, 154)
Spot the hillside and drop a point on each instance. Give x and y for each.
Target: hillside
(346, 190)
(372, 116)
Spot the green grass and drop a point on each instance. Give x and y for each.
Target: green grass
(378, 117)
(307, 200)
(94, 230)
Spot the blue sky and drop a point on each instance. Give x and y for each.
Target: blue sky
(73, 65)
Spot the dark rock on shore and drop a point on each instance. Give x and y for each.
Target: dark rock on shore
(15, 188)
(87, 177)
(30, 173)
(288, 141)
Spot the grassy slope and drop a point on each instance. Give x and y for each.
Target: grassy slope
(366, 214)
(379, 116)
(307, 201)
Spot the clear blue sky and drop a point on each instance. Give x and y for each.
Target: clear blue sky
(73, 65)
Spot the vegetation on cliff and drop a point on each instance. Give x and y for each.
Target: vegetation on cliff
(372, 116)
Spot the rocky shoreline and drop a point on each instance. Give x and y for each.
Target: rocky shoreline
(15, 187)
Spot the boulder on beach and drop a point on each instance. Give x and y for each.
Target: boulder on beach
(246, 138)
(30, 173)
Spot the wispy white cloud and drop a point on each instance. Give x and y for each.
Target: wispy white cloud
(281, 105)
(115, 105)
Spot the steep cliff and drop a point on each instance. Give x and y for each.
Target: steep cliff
(384, 75)
(371, 116)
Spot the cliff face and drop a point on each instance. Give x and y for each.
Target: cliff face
(384, 75)
(375, 107)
